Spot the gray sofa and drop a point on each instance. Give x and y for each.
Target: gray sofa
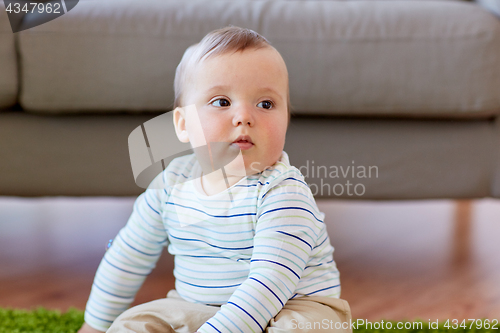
(405, 93)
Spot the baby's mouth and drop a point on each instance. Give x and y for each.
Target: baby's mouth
(244, 142)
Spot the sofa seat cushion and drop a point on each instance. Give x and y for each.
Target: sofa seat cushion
(8, 62)
(378, 58)
(393, 159)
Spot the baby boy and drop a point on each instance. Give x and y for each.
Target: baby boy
(251, 249)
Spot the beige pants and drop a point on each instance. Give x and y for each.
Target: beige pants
(175, 315)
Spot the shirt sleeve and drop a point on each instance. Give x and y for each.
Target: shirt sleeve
(131, 257)
(288, 226)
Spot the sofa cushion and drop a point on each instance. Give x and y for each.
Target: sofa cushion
(87, 155)
(395, 58)
(8, 62)
(409, 58)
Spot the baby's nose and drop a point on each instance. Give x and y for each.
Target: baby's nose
(243, 116)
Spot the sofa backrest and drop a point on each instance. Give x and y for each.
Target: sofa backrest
(380, 58)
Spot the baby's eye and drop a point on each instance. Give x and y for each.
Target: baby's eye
(265, 104)
(221, 102)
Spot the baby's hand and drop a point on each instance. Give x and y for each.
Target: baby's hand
(87, 329)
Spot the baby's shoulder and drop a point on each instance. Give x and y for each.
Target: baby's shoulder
(279, 174)
(180, 169)
(177, 171)
(284, 185)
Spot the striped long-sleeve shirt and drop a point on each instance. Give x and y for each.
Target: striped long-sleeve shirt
(248, 249)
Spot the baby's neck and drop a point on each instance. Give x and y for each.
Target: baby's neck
(218, 181)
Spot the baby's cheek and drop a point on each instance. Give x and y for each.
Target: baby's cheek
(211, 132)
(277, 135)
(274, 148)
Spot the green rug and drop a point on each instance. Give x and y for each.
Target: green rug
(50, 321)
(40, 321)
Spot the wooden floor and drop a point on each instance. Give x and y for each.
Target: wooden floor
(398, 260)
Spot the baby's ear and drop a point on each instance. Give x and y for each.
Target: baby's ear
(180, 124)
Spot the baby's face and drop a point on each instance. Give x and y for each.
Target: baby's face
(240, 94)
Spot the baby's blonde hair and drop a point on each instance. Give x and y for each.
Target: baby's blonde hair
(217, 42)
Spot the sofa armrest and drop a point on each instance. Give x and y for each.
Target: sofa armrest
(8, 62)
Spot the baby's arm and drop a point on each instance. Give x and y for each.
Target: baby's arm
(127, 263)
(288, 227)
